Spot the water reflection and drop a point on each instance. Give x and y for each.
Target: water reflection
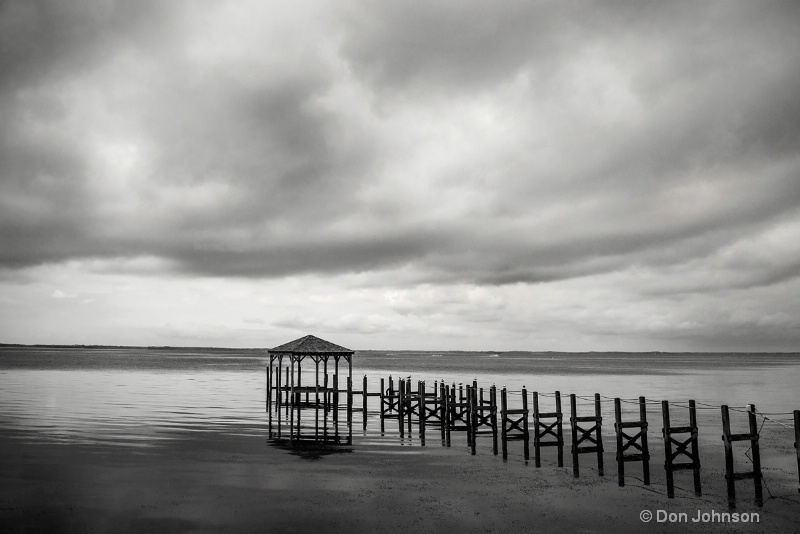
(312, 427)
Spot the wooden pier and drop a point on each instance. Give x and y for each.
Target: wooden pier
(506, 417)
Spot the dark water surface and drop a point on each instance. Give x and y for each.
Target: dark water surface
(193, 422)
(139, 397)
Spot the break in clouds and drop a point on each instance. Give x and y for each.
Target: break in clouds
(653, 146)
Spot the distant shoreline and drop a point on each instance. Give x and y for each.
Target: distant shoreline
(394, 351)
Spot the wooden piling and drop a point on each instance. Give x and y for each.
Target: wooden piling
(797, 443)
(422, 416)
(686, 447)
(484, 415)
(728, 439)
(443, 410)
(401, 385)
(349, 400)
(473, 416)
(542, 430)
(595, 443)
(637, 441)
(364, 396)
(383, 405)
(335, 398)
(447, 420)
(514, 423)
(459, 412)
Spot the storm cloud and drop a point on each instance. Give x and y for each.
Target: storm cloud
(408, 146)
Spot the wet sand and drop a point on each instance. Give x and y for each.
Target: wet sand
(218, 483)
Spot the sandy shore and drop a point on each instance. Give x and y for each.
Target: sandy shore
(217, 483)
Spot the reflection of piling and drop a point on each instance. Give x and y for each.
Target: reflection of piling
(685, 447)
(581, 434)
(728, 439)
(637, 441)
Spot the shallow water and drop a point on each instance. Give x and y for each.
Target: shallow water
(141, 397)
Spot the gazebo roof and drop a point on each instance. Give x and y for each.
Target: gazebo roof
(311, 345)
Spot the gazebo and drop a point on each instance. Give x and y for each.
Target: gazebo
(285, 363)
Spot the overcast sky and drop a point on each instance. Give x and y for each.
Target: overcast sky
(401, 174)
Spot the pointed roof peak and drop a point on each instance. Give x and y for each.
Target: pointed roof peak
(310, 345)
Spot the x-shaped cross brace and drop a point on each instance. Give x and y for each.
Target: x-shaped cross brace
(586, 435)
(548, 429)
(681, 448)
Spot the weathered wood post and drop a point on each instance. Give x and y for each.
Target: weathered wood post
(349, 400)
(443, 410)
(526, 449)
(364, 396)
(504, 417)
(493, 416)
(645, 448)
(288, 399)
(560, 430)
(625, 441)
(401, 385)
(409, 403)
(278, 393)
(291, 401)
(728, 438)
(514, 420)
(473, 415)
(618, 431)
(541, 430)
(447, 421)
(670, 465)
(797, 442)
(598, 438)
(383, 405)
(421, 393)
(466, 399)
(596, 443)
(335, 398)
(573, 426)
(755, 455)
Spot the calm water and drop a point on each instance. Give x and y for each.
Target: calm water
(141, 397)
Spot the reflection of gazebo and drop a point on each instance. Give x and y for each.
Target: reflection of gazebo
(284, 373)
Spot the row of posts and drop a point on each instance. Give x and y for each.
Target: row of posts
(477, 412)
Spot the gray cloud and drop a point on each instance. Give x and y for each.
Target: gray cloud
(651, 135)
